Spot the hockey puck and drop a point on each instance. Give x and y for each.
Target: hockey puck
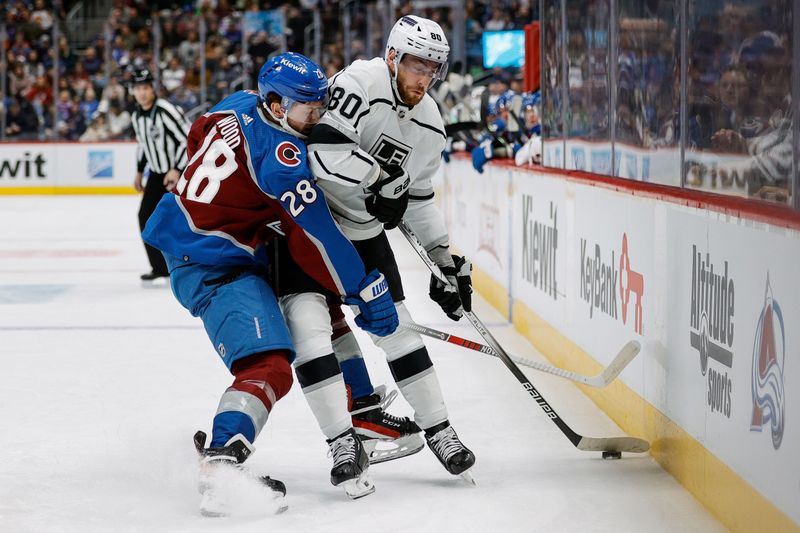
(612, 455)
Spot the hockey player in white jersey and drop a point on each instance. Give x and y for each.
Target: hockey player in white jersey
(374, 154)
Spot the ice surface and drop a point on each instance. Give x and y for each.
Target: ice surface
(103, 383)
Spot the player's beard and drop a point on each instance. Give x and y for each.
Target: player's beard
(408, 93)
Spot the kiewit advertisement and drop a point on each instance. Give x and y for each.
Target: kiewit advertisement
(539, 240)
(30, 165)
(67, 165)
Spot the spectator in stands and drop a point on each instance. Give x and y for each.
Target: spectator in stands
(114, 91)
(136, 17)
(184, 98)
(260, 49)
(42, 15)
(97, 130)
(63, 85)
(193, 79)
(118, 50)
(189, 50)
(296, 21)
(170, 38)
(733, 27)
(38, 65)
(89, 104)
(64, 105)
(42, 45)
(173, 76)
(230, 28)
(222, 78)
(91, 62)
(119, 121)
(731, 113)
(497, 21)
(79, 79)
(215, 50)
(41, 92)
(20, 46)
(333, 59)
(65, 56)
(141, 43)
(21, 122)
(19, 79)
(70, 121)
(768, 64)
(127, 37)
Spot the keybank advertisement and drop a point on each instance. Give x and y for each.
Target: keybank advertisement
(612, 279)
(67, 164)
(732, 351)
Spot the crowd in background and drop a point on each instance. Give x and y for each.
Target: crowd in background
(89, 100)
(737, 85)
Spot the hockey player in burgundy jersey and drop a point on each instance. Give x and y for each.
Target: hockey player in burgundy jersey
(246, 177)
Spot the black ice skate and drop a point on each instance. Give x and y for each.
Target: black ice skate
(350, 465)
(154, 279)
(220, 467)
(385, 437)
(454, 456)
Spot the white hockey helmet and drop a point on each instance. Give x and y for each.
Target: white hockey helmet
(421, 38)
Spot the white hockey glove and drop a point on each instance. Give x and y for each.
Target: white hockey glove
(390, 196)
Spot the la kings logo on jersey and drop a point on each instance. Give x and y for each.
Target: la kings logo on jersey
(387, 150)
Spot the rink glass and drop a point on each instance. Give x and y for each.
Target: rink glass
(683, 93)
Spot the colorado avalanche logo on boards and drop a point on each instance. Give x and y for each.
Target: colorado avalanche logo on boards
(769, 355)
(287, 153)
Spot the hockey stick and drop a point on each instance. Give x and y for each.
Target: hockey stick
(589, 444)
(603, 379)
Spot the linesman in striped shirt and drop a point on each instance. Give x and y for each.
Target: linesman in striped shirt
(161, 131)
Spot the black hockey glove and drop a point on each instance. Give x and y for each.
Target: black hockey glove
(390, 196)
(455, 297)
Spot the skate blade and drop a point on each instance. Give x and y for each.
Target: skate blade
(380, 451)
(158, 283)
(467, 476)
(281, 505)
(211, 506)
(359, 487)
(230, 491)
(214, 509)
(212, 513)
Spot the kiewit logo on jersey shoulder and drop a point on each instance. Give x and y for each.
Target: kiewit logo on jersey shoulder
(287, 153)
(387, 150)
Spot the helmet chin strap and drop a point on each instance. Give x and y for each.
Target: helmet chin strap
(284, 123)
(396, 64)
